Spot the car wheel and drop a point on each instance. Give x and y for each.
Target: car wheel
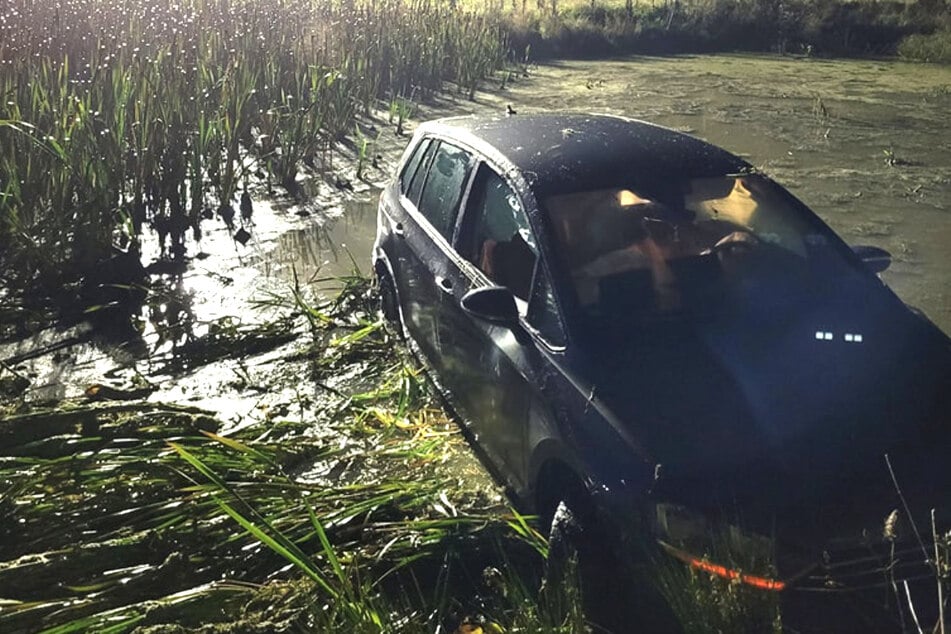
(579, 552)
(568, 543)
(614, 595)
(388, 303)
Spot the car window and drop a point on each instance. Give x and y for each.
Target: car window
(412, 165)
(443, 189)
(499, 240)
(686, 249)
(418, 175)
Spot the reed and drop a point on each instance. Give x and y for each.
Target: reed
(116, 515)
(120, 115)
(934, 47)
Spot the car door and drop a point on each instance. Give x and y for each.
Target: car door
(431, 203)
(494, 370)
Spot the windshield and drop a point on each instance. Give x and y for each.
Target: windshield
(645, 253)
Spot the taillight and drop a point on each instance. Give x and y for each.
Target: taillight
(763, 583)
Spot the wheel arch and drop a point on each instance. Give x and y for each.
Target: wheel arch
(556, 476)
(384, 274)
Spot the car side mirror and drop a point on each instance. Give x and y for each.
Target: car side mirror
(875, 258)
(494, 304)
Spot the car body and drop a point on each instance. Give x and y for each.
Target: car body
(620, 309)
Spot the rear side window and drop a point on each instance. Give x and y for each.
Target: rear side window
(447, 177)
(412, 166)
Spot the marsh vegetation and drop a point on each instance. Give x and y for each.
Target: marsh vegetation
(120, 115)
(561, 28)
(116, 116)
(117, 513)
(360, 512)
(347, 501)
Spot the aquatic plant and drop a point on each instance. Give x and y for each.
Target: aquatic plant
(608, 27)
(934, 47)
(116, 514)
(114, 116)
(705, 603)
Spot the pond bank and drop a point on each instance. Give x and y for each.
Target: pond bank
(914, 30)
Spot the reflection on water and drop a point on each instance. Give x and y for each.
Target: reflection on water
(335, 248)
(184, 304)
(866, 144)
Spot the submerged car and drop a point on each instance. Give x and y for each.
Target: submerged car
(632, 321)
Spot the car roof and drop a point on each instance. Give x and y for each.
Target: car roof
(560, 153)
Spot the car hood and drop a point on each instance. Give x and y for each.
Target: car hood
(775, 409)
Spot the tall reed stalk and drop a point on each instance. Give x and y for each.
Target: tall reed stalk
(119, 115)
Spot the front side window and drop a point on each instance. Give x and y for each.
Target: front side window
(499, 241)
(445, 182)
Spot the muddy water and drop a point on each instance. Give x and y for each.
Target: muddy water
(336, 248)
(866, 144)
(223, 284)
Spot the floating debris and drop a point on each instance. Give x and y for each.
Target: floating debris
(242, 236)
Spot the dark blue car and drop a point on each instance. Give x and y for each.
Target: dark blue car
(633, 323)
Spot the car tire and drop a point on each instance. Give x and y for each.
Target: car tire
(580, 552)
(389, 303)
(612, 594)
(568, 538)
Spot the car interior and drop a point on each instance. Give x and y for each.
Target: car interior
(633, 253)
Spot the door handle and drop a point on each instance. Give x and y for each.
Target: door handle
(444, 284)
(398, 229)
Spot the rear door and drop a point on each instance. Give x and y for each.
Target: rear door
(431, 201)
